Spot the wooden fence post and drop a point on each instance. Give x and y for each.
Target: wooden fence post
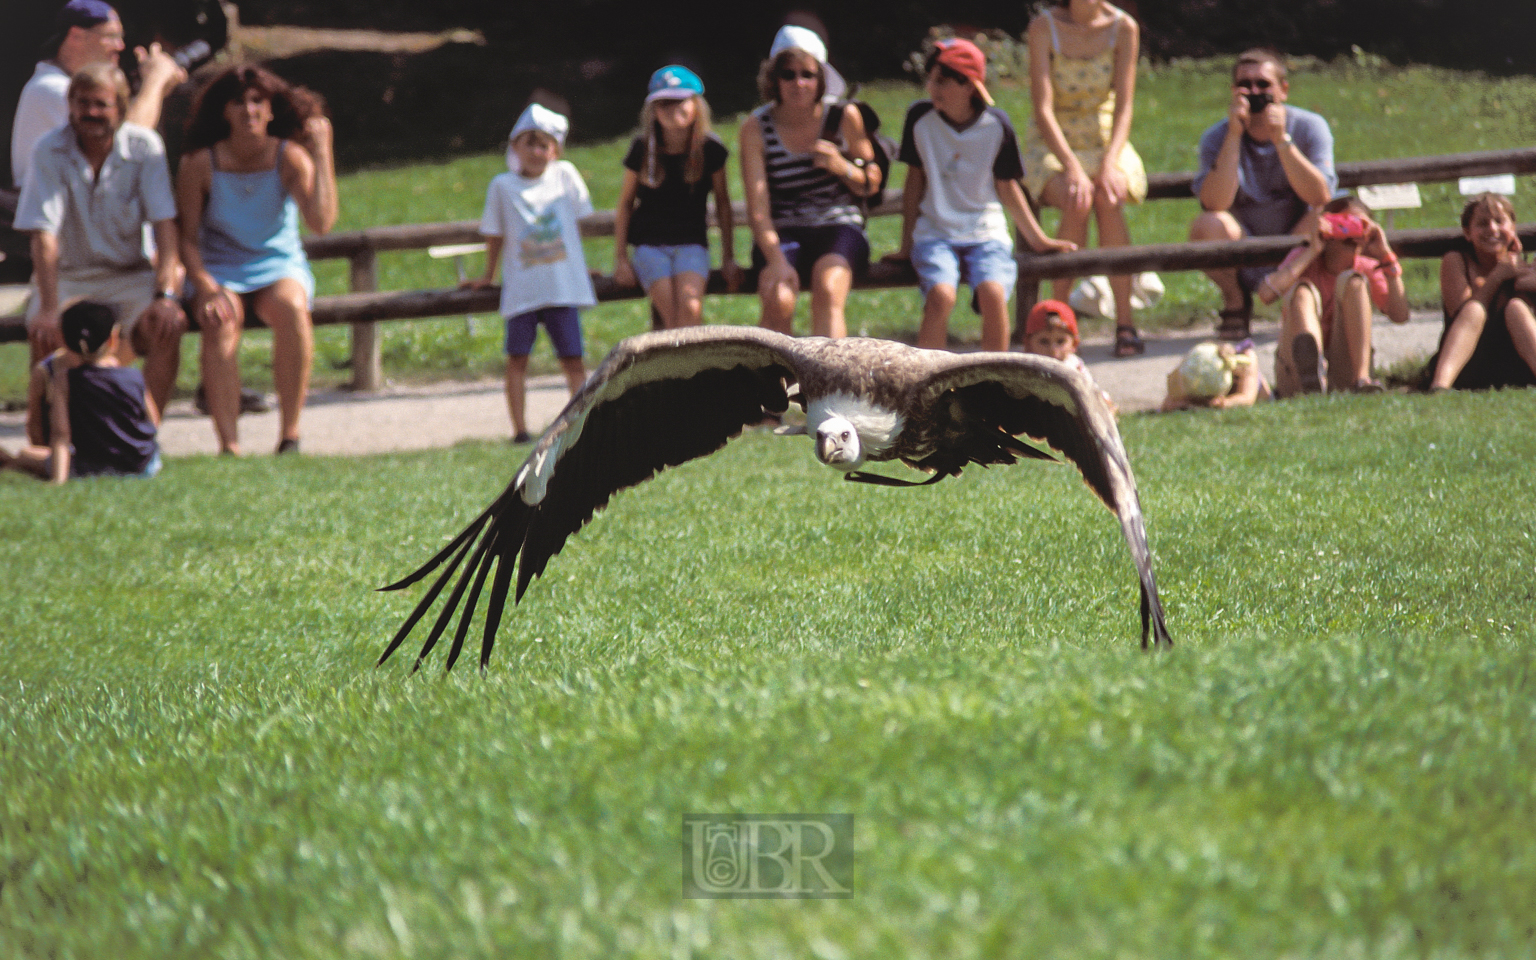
(367, 362)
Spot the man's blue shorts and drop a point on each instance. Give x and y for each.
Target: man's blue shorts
(939, 261)
(563, 324)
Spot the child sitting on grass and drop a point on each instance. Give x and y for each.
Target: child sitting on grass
(1329, 285)
(1485, 286)
(530, 229)
(1216, 375)
(93, 417)
(963, 171)
(1050, 330)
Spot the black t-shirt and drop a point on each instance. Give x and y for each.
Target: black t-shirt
(673, 214)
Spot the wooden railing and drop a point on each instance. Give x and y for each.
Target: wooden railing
(366, 305)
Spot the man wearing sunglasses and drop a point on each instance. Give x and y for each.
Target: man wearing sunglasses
(1262, 170)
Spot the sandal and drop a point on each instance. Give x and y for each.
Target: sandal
(1128, 343)
(1232, 323)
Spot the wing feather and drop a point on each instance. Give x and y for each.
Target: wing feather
(1034, 396)
(657, 401)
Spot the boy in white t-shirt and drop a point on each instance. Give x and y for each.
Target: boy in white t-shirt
(530, 229)
(963, 172)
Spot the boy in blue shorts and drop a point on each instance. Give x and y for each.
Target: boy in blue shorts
(530, 229)
(963, 172)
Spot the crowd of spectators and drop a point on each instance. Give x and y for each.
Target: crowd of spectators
(108, 228)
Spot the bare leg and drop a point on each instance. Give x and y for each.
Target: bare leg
(831, 279)
(219, 353)
(992, 297)
(776, 292)
(30, 460)
(1522, 330)
(1351, 332)
(284, 307)
(1220, 225)
(663, 300)
(688, 299)
(1460, 340)
(937, 306)
(575, 373)
(1300, 317)
(517, 393)
(1074, 226)
(1114, 233)
(160, 346)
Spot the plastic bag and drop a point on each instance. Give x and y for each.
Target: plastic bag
(1092, 296)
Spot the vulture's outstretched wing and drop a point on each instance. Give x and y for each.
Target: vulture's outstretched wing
(972, 396)
(658, 400)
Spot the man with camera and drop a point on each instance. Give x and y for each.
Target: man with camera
(85, 32)
(1263, 170)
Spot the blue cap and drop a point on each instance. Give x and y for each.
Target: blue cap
(84, 13)
(674, 83)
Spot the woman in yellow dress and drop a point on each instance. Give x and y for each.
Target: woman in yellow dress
(1082, 77)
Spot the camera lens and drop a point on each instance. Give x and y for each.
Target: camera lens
(1258, 101)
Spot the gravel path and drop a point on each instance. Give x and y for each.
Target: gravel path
(441, 415)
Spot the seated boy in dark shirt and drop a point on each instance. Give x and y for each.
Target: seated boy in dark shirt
(89, 416)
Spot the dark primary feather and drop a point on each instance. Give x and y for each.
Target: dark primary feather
(979, 396)
(626, 424)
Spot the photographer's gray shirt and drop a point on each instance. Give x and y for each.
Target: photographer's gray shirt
(1265, 204)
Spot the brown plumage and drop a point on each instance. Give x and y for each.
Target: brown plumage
(661, 399)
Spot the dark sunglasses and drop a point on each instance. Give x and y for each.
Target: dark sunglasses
(1253, 84)
(788, 74)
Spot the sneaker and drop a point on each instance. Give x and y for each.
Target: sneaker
(521, 437)
(1305, 357)
(288, 445)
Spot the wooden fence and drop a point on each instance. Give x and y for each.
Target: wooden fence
(366, 305)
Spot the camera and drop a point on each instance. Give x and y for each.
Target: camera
(1341, 226)
(193, 55)
(1257, 102)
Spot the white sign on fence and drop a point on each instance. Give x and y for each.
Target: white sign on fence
(1391, 196)
(1498, 183)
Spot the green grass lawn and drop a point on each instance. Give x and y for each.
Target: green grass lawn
(197, 758)
(1374, 112)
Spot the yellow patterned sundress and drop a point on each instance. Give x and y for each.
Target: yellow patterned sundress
(1083, 94)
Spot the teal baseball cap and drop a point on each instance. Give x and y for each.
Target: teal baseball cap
(674, 83)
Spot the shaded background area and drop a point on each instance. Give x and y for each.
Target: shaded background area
(597, 54)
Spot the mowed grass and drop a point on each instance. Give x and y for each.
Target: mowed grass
(197, 758)
(1375, 112)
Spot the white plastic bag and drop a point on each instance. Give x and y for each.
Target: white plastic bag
(1092, 296)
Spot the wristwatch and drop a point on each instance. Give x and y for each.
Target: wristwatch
(1287, 139)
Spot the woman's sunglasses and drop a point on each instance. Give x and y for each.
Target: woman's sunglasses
(792, 75)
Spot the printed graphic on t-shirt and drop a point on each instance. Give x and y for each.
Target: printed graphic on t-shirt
(543, 243)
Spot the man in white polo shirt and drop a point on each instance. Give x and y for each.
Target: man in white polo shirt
(93, 186)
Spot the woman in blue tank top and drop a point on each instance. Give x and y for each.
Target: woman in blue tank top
(258, 158)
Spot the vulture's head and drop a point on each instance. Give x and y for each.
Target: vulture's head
(838, 446)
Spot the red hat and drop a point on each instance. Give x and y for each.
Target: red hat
(1040, 315)
(966, 59)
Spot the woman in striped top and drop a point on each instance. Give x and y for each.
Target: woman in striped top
(803, 187)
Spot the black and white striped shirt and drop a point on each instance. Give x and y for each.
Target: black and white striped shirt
(801, 194)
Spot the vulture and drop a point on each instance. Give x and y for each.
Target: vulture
(661, 399)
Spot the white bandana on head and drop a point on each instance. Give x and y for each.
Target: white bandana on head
(536, 117)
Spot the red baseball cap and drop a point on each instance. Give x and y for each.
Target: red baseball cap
(966, 59)
(1040, 315)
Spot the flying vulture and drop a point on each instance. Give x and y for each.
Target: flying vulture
(664, 398)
